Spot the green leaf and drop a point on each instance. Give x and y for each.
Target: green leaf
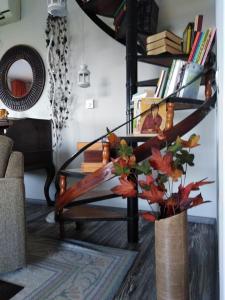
(144, 168)
(125, 150)
(175, 147)
(185, 157)
(118, 170)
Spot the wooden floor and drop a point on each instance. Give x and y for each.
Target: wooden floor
(140, 282)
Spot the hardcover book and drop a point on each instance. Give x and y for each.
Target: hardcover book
(163, 42)
(164, 49)
(164, 34)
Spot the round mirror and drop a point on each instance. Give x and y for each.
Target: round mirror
(20, 78)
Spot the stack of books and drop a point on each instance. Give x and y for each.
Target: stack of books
(202, 44)
(163, 42)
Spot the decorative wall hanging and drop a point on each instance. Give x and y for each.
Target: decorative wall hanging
(60, 86)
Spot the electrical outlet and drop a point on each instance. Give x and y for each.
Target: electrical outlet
(89, 104)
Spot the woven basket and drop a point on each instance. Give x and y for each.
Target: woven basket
(171, 256)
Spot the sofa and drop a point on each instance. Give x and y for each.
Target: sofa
(12, 210)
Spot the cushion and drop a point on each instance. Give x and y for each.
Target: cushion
(6, 145)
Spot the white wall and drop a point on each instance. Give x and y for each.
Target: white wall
(106, 60)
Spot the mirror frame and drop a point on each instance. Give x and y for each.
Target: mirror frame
(34, 59)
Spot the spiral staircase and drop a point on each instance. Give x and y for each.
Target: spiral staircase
(71, 203)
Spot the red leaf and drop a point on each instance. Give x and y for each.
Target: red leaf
(161, 163)
(146, 184)
(193, 186)
(155, 195)
(148, 216)
(126, 189)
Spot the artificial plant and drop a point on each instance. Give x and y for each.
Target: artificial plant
(161, 170)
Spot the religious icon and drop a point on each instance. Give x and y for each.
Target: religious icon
(154, 120)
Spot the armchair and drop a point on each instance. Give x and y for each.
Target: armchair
(12, 212)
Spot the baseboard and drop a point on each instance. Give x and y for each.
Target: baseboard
(203, 220)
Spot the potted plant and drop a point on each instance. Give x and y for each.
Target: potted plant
(162, 172)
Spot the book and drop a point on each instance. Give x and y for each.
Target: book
(209, 46)
(175, 78)
(196, 40)
(118, 19)
(119, 8)
(163, 42)
(198, 23)
(191, 71)
(195, 54)
(169, 77)
(154, 120)
(163, 86)
(187, 36)
(164, 49)
(202, 46)
(164, 34)
(159, 83)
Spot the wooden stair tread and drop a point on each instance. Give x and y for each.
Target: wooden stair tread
(93, 196)
(154, 81)
(163, 60)
(105, 8)
(91, 213)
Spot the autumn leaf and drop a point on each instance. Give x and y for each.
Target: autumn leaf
(175, 174)
(192, 141)
(146, 185)
(127, 188)
(161, 163)
(148, 216)
(193, 186)
(154, 195)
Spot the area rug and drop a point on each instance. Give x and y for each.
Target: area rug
(70, 270)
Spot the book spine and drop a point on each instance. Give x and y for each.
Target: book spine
(204, 46)
(169, 78)
(198, 47)
(159, 83)
(188, 46)
(174, 77)
(119, 8)
(119, 17)
(162, 91)
(194, 46)
(209, 46)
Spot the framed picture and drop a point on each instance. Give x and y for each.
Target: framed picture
(154, 120)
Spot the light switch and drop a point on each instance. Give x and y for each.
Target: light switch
(89, 104)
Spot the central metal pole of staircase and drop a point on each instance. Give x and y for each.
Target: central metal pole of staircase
(131, 86)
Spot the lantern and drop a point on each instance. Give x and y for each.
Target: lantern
(84, 76)
(57, 8)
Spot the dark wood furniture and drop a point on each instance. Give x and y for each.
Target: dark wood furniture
(4, 124)
(33, 137)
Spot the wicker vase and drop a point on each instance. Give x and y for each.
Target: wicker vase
(171, 255)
